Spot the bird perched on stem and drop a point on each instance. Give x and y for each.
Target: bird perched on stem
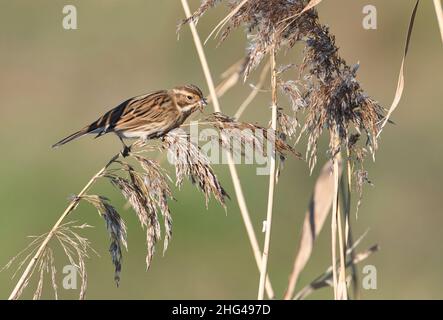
(147, 116)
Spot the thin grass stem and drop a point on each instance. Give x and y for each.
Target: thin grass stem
(272, 180)
(18, 289)
(233, 171)
(348, 227)
(342, 292)
(439, 13)
(253, 93)
(334, 226)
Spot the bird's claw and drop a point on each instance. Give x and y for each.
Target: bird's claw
(126, 151)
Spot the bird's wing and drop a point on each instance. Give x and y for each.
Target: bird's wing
(124, 115)
(145, 113)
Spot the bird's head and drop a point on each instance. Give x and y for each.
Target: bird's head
(189, 97)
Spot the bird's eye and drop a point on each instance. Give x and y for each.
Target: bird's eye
(189, 98)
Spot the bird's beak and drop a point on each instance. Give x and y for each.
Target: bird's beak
(203, 102)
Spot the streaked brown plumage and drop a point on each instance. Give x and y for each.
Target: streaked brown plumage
(147, 116)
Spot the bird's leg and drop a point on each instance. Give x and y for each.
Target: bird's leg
(126, 150)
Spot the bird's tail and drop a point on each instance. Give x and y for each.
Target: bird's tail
(73, 136)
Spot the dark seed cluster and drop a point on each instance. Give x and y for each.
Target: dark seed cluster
(325, 89)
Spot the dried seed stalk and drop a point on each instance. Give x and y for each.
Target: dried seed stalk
(16, 292)
(272, 181)
(233, 171)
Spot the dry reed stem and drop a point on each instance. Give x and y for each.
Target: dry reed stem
(342, 287)
(224, 21)
(318, 210)
(272, 179)
(439, 13)
(334, 224)
(233, 171)
(230, 78)
(253, 93)
(16, 292)
(325, 279)
(401, 77)
(348, 230)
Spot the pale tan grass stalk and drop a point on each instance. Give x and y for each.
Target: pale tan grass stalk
(325, 279)
(230, 78)
(15, 294)
(225, 20)
(315, 217)
(334, 225)
(233, 171)
(401, 77)
(348, 230)
(256, 89)
(342, 287)
(272, 180)
(348, 199)
(439, 13)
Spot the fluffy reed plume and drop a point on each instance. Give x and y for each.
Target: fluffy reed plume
(156, 181)
(76, 248)
(145, 186)
(116, 228)
(191, 163)
(325, 95)
(249, 135)
(326, 91)
(148, 194)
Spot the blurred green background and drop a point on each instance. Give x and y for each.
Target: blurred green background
(54, 81)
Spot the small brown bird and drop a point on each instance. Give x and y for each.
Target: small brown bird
(147, 116)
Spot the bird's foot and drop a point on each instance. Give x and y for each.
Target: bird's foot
(126, 151)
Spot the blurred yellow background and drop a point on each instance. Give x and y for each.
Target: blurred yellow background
(54, 81)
